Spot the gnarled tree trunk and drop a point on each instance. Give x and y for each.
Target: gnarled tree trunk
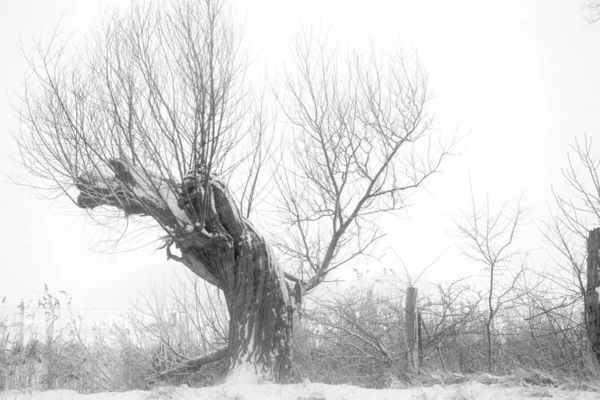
(218, 245)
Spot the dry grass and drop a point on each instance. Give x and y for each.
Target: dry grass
(354, 338)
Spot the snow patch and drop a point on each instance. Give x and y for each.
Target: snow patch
(148, 187)
(269, 391)
(244, 374)
(102, 185)
(188, 228)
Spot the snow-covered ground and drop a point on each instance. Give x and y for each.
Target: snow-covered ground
(315, 391)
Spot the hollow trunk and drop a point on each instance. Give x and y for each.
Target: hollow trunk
(218, 245)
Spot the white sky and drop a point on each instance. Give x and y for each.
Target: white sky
(518, 78)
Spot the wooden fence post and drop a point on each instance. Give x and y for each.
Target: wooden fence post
(419, 339)
(592, 301)
(411, 329)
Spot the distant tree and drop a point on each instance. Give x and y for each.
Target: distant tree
(153, 120)
(490, 237)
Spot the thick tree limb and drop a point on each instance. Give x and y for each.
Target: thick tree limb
(135, 191)
(194, 364)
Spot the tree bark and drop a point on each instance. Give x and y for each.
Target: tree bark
(592, 303)
(218, 245)
(411, 329)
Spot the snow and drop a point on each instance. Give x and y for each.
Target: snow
(243, 374)
(101, 185)
(147, 187)
(598, 290)
(315, 391)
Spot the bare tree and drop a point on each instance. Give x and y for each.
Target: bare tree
(490, 236)
(151, 121)
(577, 212)
(362, 144)
(143, 120)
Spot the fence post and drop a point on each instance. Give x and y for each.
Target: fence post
(419, 338)
(411, 329)
(592, 303)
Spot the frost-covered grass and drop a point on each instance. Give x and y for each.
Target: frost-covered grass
(355, 338)
(464, 391)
